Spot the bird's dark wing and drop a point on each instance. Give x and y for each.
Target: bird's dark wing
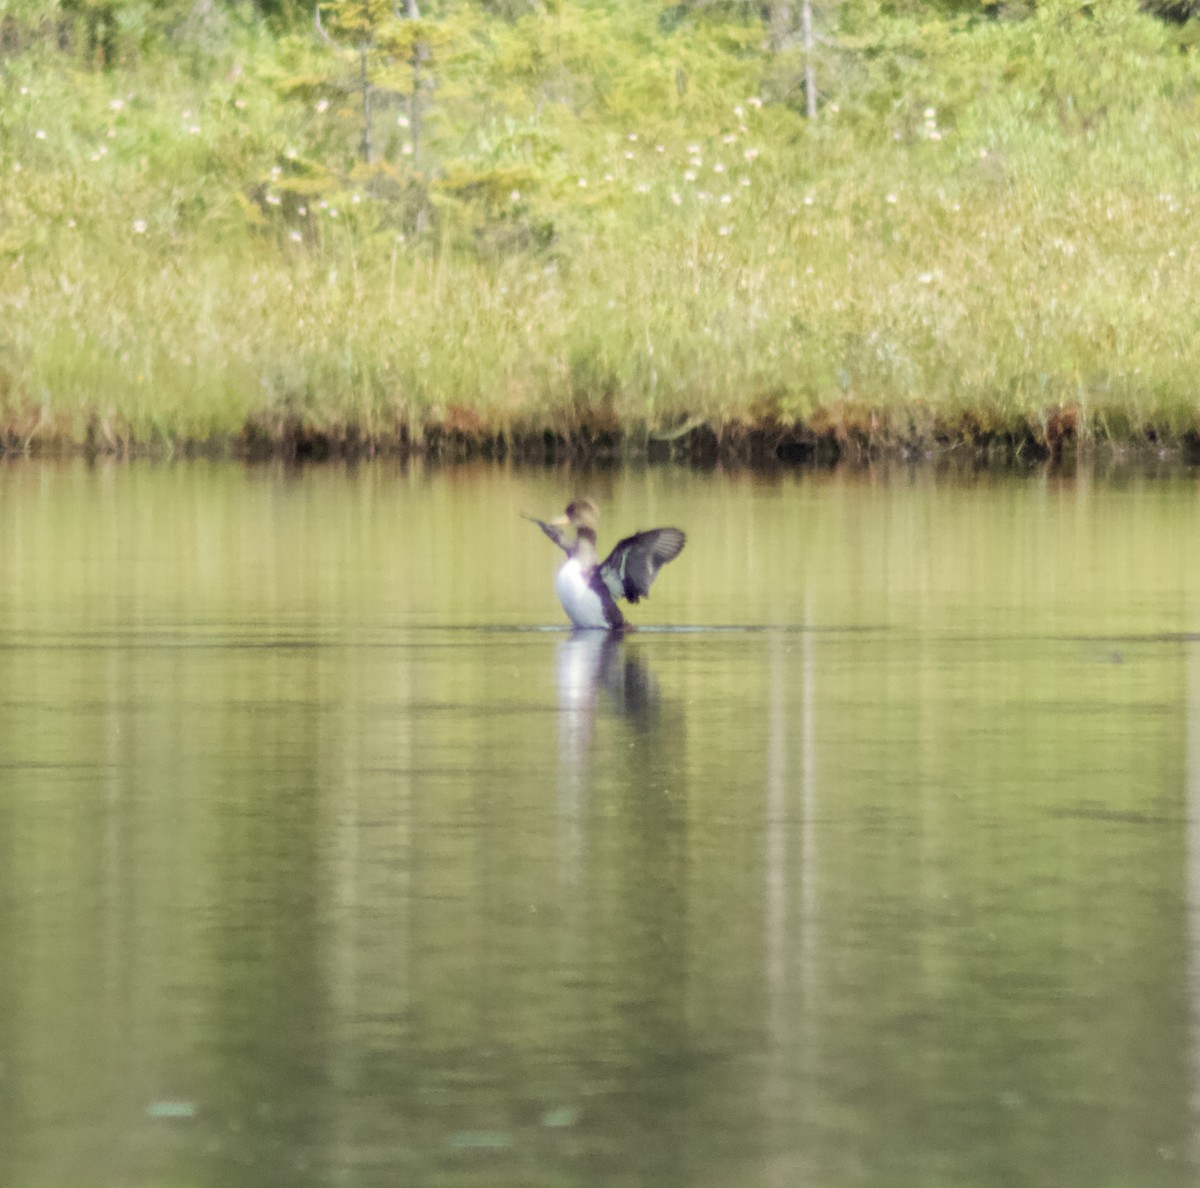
(555, 533)
(630, 568)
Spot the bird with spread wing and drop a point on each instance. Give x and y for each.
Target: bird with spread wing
(588, 588)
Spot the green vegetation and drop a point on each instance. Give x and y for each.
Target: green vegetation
(596, 225)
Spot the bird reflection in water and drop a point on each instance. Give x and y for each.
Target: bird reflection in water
(592, 661)
(597, 674)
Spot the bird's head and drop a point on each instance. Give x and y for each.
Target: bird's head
(583, 516)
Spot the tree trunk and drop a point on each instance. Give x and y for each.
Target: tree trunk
(368, 151)
(781, 24)
(810, 72)
(414, 107)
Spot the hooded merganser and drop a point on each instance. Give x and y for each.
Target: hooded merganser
(588, 589)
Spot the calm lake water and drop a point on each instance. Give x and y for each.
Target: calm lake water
(328, 857)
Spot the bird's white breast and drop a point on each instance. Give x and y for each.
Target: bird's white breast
(579, 600)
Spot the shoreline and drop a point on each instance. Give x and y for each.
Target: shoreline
(833, 437)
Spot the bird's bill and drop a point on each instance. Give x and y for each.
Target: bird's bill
(557, 522)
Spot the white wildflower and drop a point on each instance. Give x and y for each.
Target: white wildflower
(751, 154)
(754, 101)
(322, 106)
(295, 236)
(891, 199)
(726, 199)
(139, 226)
(689, 176)
(676, 197)
(724, 230)
(718, 168)
(41, 135)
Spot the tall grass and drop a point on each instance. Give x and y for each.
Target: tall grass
(985, 226)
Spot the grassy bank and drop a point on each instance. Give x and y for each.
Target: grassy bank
(614, 232)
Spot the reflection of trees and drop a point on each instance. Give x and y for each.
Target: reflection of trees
(791, 924)
(998, 884)
(268, 1007)
(164, 938)
(1192, 809)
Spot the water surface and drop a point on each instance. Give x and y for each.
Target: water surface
(328, 857)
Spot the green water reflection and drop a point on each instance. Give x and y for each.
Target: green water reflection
(323, 862)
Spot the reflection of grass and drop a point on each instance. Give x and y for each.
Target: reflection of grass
(973, 265)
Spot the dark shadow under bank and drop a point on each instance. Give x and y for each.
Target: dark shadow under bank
(824, 441)
(839, 433)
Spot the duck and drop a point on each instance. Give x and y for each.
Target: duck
(589, 589)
